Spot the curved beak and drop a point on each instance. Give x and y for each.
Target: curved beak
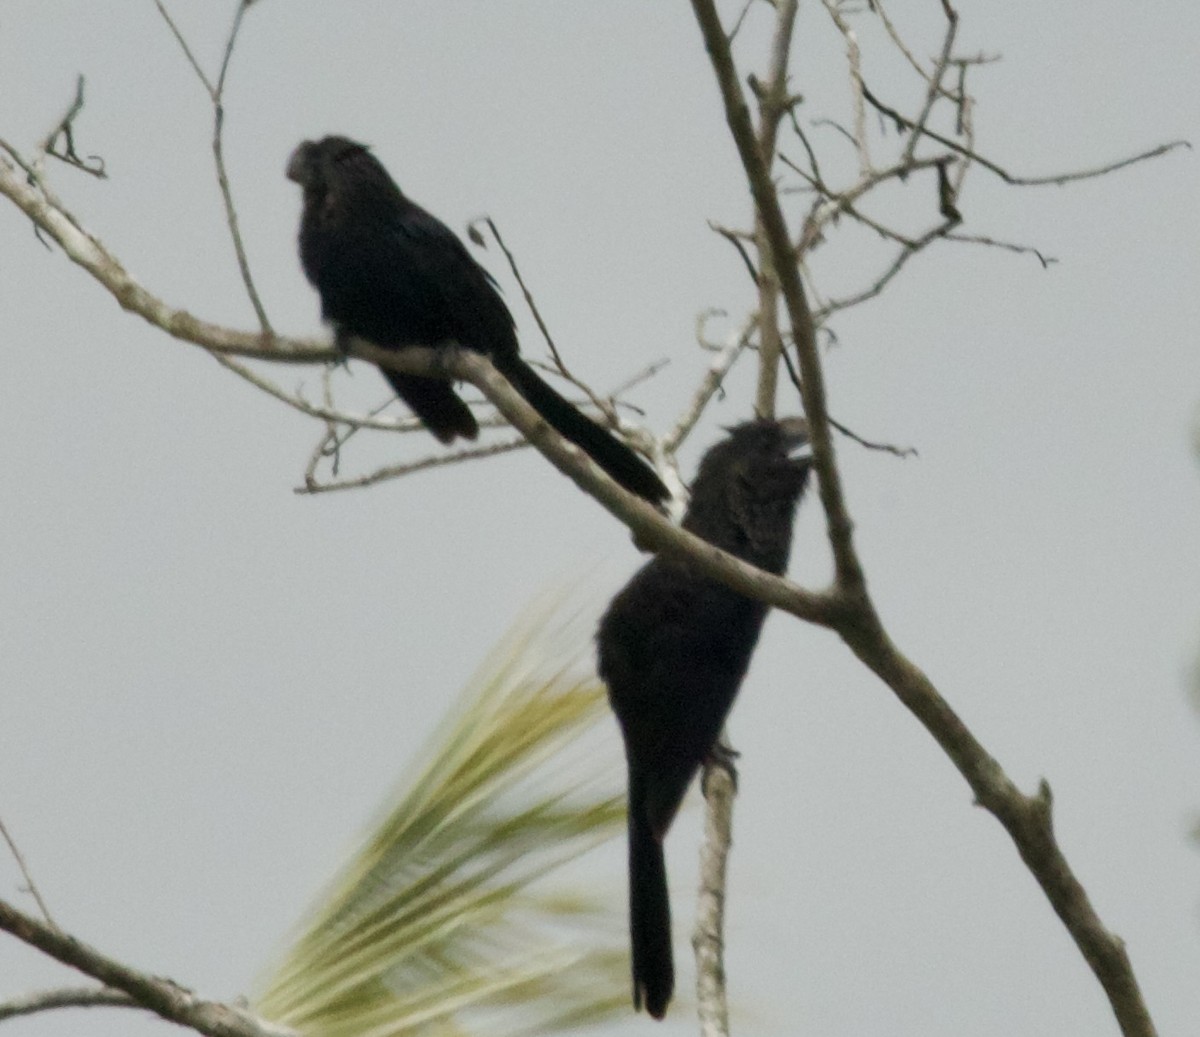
(795, 438)
(298, 163)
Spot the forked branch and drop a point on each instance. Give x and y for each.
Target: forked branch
(1027, 819)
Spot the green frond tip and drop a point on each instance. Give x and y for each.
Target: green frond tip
(454, 916)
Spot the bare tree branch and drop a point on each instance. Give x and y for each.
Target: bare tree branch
(722, 362)
(652, 530)
(708, 936)
(1056, 179)
(30, 885)
(849, 573)
(313, 485)
(216, 94)
(66, 997)
(88, 252)
(935, 83)
(1027, 819)
(160, 996)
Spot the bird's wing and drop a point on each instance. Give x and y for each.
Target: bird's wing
(444, 282)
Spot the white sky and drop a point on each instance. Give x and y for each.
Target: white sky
(207, 683)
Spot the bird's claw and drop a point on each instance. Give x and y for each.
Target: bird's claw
(720, 757)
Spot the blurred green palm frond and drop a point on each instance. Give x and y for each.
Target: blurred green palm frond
(448, 917)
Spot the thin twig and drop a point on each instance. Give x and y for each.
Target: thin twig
(1056, 179)
(935, 84)
(93, 165)
(1008, 246)
(65, 997)
(773, 104)
(313, 486)
(734, 238)
(160, 996)
(187, 51)
(606, 407)
(30, 886)
(324, 413)
(721, 364)
(907, 250)
(849, 433)
(218, 149)
(857, 86)
(216, 94)
(638, 378)
(708, 937)
(528, 295)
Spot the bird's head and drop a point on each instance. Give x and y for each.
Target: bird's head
(766, 448)
(338, 168)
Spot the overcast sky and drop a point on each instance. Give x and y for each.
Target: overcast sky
(207, 682)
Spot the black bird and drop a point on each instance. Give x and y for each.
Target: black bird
(389, 272)
(674, 646)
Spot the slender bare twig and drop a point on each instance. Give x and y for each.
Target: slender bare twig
(638, 377)
(26, 874)
(901, 46)
(857, 86)
(65, 128)
(908, 249)
(737, 23)
(216, 95)
(607, 407)
(886, 448)
(160, 996)
(774, 102)
(1007, 246)
(708, 936)
(721, 364)
(325, 413)
(187, 51)
(218, 149)
(525, 292)
(313, 485)
(734, 237)
(935, 84)
(66, 997)
(88, 252)
(1056, 179)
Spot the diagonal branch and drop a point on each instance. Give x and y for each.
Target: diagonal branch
(65, 997)
(26, 874)
(1027, 819)
(1056, 179)
(737, 114)
(88, 252)
(216, 95)
(161, 996)
(652, 531)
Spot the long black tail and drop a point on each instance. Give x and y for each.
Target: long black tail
(649, 913)
(435, 402)
(609, 453)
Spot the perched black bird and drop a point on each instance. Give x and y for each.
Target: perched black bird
(674, 646)
(389, 272)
